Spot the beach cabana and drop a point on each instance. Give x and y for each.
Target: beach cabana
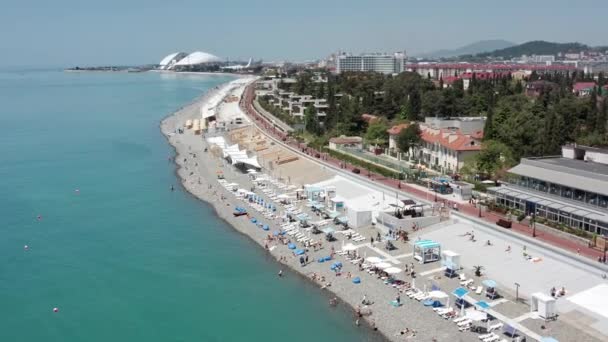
(342, 220)
(435, 298)
(333, 214)
(451, 261)
(358, 217)
(312, 192)
(460, 293)
(543, 304)
(427, 251)
(490, 286)
(328, 230)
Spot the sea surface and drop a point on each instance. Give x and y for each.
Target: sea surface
(121, 256)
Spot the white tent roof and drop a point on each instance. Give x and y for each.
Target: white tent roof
(198, 57)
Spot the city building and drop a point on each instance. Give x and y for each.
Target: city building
(446, 143)
(535, 88)
(583, 88)
(376, 62)
(443, 70)
(569, 190)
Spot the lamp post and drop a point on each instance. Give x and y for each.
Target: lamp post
(479, 214)
(533, 224)
(517, 292)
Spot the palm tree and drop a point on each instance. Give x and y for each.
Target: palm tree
(478, 270)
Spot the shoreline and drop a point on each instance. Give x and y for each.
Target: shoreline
(207, 179)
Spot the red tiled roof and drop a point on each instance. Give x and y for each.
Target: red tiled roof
(368, 117)
(477, 135)
(459, 141)
(345, 140)
(483, 75)
(395, 130)
(490, 67)
(578, 86)
(450, 79)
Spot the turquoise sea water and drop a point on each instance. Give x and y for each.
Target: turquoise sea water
(125, 259)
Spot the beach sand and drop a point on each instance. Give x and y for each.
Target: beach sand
(198, 170)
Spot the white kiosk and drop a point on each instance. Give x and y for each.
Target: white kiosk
(543, 304)
(451, 261)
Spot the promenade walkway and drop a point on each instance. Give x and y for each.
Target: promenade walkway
(467, 209)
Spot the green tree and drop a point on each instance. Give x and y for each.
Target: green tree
(408, 137)
(311, 120)
(494, 158)
(377, 132)
(432, 102)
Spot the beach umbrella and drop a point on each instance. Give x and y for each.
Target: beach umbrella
(460, 293)
(489, 283)
(299, 251)
(275, 233)
(291, 246)
(254, 220)
(373, 260)
(483, 305)
(393, 270)
(548, 339)
(383, 265)
(356, 280)
(265, 227)
(438, 295)
(349, 247)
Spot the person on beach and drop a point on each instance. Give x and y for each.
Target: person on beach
(280, 273)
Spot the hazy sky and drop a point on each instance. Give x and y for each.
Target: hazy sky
(83, 32)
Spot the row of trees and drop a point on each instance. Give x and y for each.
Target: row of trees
(517, 125)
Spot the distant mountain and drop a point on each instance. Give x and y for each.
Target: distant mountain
(471, 49)
(537, 47)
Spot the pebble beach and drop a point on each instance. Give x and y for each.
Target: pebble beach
(198, 171)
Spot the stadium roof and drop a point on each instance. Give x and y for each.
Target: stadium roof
(168, 59)
(198, 57)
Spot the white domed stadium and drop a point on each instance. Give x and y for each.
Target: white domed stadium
(197, 58)
(170, 60)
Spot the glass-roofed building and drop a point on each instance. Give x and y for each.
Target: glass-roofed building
(571, 189)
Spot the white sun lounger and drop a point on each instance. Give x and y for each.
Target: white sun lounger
(495, 326)
(484, 336)
(459, 319)
(464, 323)
(492, 338)
(479, 289)
(466, 282)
